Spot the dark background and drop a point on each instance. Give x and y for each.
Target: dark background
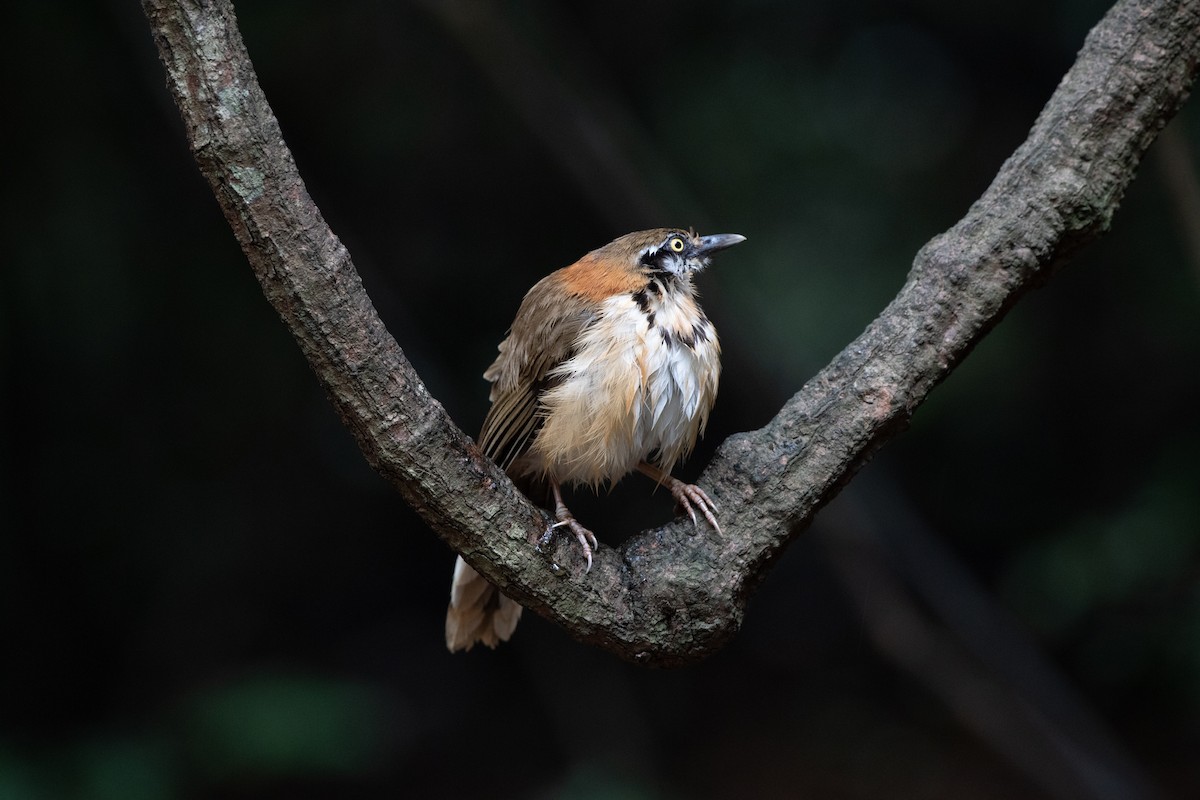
(205, 591)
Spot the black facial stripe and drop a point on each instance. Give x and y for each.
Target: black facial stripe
(657, 259)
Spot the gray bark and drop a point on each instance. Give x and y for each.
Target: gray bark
(669, 596)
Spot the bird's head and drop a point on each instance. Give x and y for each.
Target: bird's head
(668, 250)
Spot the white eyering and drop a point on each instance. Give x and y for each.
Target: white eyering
(671, 261)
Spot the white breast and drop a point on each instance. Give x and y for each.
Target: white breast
(633, 391)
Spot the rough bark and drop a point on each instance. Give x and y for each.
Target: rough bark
(669, 596)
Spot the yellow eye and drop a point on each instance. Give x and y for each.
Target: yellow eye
(676, 244)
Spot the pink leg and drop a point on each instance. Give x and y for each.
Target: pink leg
(587, 539)
(687, 495)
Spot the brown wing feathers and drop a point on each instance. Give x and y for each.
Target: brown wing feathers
(543, 336)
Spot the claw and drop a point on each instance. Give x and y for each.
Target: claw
(687, 495)
(587, 539)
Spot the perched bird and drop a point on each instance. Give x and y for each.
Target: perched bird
(610, 366)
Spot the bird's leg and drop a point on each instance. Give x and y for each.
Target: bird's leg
(587, 539)
(687, 495)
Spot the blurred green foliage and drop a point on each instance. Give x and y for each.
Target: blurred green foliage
(275, 726)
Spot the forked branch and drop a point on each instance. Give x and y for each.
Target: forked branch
(666, 596)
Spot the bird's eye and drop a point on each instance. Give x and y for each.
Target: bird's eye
(676, 244)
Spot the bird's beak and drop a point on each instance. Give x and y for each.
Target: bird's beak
(718, 241)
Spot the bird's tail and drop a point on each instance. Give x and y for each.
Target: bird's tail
(478, 611)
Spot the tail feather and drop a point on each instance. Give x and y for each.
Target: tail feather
(479, 612)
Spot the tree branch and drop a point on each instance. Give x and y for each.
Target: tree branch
(668, 596)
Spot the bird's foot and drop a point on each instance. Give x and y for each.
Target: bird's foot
(689, 497)
(586, 539)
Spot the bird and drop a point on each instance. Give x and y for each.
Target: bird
(610, 366)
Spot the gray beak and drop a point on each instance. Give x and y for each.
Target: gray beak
(718, 241)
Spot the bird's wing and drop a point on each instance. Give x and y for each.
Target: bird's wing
(543, 336)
